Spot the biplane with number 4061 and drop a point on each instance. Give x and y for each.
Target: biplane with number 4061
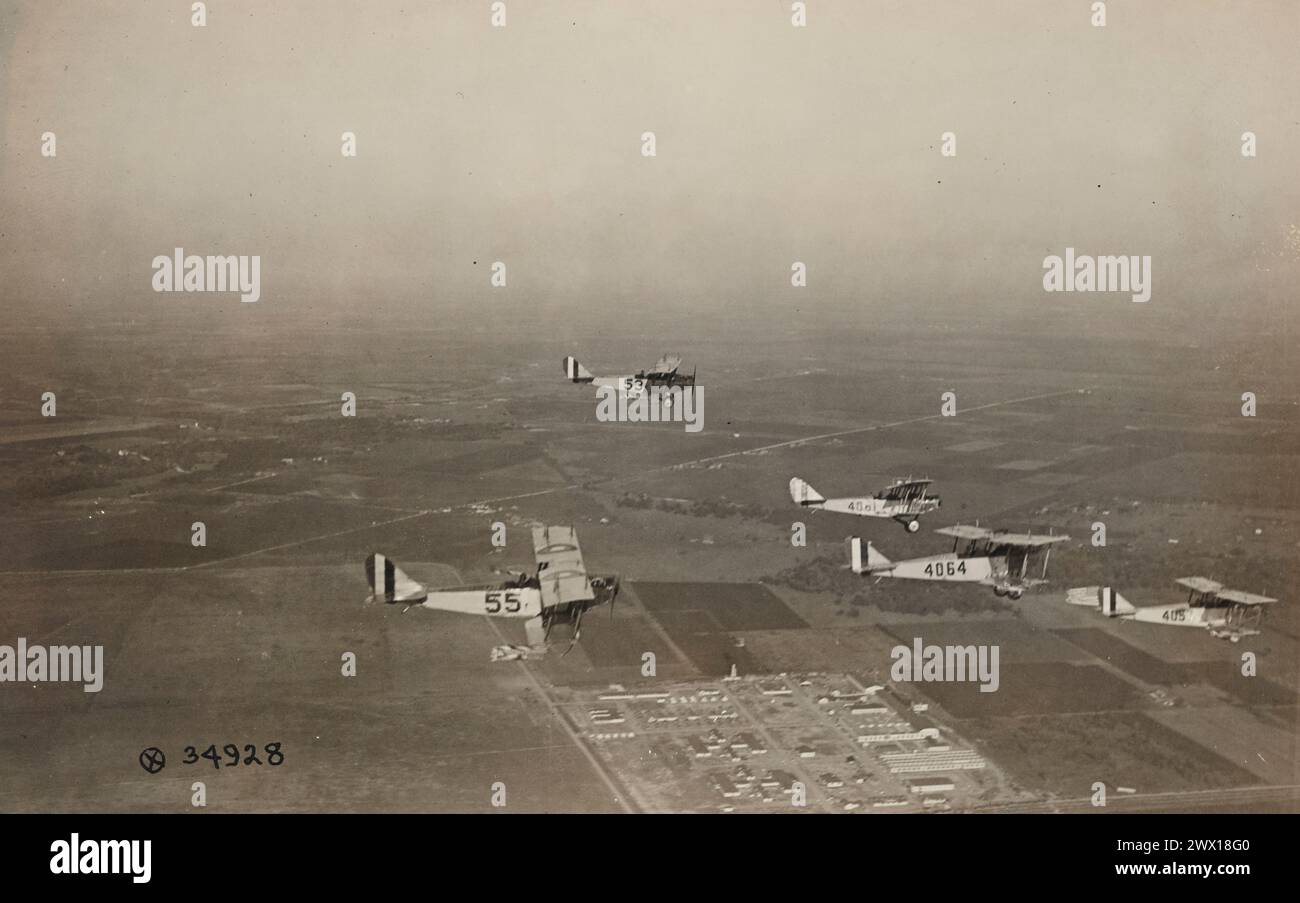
(993, 558)
(662, 375)
(1226, 613)
(559, 591)
(903, 500)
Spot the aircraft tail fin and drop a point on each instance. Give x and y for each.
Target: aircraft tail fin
(575, 372)
(389, 584)
(803, 494)
(1112, 603)
(875, 560)
(864, 561)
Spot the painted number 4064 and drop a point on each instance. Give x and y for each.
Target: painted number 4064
(945, 568)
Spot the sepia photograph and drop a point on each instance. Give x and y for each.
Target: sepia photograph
(599, 407)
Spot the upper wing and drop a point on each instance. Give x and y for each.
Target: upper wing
(666, 364)
(1001, 537)
(1029, 540)
(903, 488)
(1199, 584)
(1236, 595)
(560, 570)
(965, 531)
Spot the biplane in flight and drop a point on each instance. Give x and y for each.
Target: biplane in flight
(993, 558)
(559, 591)
(903, 500)
(1226, 613)
(664, 374)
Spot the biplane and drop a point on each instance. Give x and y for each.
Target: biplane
(559, 591)
(663, 375)
(993, 558)
(1226, 613)
(903, 500)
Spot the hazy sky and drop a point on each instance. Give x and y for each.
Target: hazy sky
(522, 144)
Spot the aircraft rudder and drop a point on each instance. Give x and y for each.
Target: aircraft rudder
(379, 574)
(575, 372)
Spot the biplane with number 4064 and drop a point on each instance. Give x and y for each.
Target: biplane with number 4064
(1226, 613)
(559, 591)
(903, 500)
(662, 375)
(993, 558)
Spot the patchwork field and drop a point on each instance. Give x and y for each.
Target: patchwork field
(241, 640)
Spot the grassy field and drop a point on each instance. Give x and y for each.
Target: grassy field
(240, 640)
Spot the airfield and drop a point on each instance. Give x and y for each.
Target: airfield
(219, 419)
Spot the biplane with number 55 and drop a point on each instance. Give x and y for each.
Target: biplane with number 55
(559, 591)
(662, 375)
(1226, 613)
(993, 558)
(903, 500)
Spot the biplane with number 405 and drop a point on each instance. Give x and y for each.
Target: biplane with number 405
(1226, 613)
(993, 558)
(662, 375)
(559, 591)
(903, 500)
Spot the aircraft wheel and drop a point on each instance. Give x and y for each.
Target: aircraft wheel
(913, 526)
(1015, 593)
(999, 591)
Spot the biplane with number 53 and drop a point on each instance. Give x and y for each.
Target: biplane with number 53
(1226, 613)
(993, 558)
(559, 591)
(662, 375)
(903, 500)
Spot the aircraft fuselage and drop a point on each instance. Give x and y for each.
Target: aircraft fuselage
(515, 602)
(1182, 615)
(949, 567)
(869, 506)
(505, 601)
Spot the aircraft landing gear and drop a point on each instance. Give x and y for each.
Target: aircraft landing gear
(577, 632)
(913, 525)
